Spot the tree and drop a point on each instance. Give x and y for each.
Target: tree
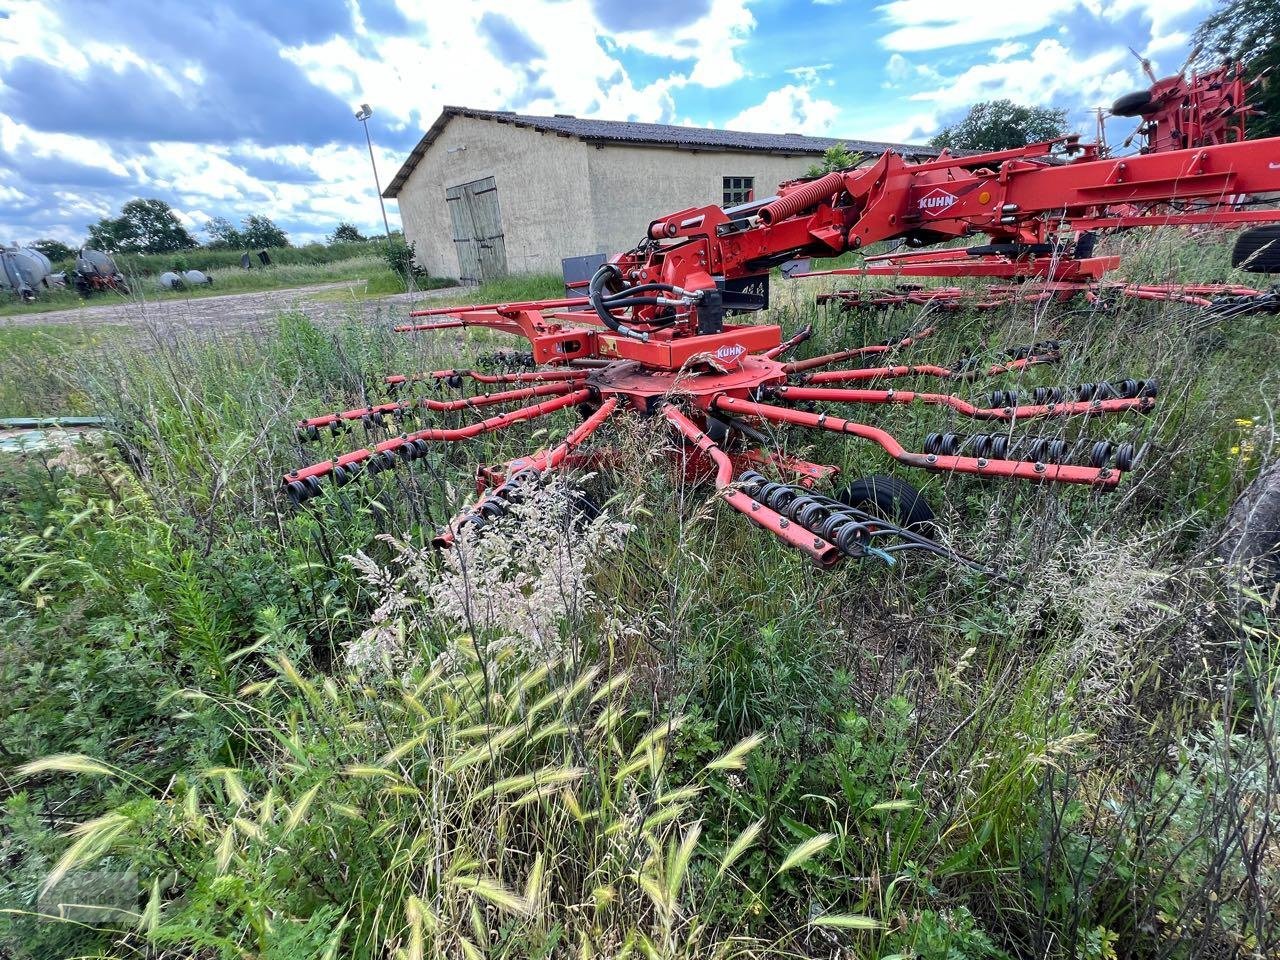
(223, 235)
(55, 250)
(1248, 31)
(838, 157)
(1002, 125)
(260, 232)
(144, 226)
(346, 233)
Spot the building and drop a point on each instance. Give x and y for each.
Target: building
(485, 193)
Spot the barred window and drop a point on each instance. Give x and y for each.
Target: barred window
(738, 190)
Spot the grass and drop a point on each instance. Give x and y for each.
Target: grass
(297, 734)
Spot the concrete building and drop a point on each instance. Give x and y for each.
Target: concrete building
(485, 193)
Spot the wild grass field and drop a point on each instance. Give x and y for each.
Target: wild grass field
(359, 263)
(236, 729)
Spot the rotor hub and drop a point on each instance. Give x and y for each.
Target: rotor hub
(641, 386)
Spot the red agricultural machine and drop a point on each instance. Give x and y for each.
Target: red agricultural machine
(1051, 259)
(658, 335)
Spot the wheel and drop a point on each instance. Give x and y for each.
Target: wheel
(1251, 540)
(1132, 104)
(1258, 250)
(723, 435)
(890, 498)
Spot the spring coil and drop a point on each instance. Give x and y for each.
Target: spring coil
(506, 360)
(1039, 348)
(1127, 389)
(1100, 454)
(829, 519)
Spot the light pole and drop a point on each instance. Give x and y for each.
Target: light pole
(363, 115)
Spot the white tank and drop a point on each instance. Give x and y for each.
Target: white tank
(24, 271)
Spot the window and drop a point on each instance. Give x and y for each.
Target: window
(738, 190)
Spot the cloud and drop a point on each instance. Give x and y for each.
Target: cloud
(1050, 71)
(507, 39)
(707, 33)
(220, 79)
(897, 69)
(623, 16)
(936, 24)
(789, 109)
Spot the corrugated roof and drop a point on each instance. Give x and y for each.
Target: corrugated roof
(655, 134)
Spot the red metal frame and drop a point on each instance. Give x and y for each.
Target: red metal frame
(705, 394)
(658, 343)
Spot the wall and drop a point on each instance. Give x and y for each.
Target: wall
(560, 197)
(541, 181)
(632, 186)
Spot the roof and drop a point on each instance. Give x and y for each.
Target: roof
(618, 132)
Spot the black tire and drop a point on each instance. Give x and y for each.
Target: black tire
(723, 435)
(1258, 250)
(1132, 104)
(888, 497)
(1251, 540)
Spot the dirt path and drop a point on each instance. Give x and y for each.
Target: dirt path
(233, 312)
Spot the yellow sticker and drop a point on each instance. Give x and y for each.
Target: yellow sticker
(984, 197)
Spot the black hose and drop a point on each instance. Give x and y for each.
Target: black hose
(608, 273)
(621, 302)
(641, 288)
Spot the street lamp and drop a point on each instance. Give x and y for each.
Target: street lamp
(363, 115)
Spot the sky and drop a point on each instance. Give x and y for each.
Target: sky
(238, 107)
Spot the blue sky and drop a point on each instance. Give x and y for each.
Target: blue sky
(233, 107)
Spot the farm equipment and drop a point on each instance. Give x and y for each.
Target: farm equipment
(24, 271)
(96, 273)
(656, 336)
(1055, 261)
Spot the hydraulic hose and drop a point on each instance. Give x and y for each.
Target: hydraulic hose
(607, 274)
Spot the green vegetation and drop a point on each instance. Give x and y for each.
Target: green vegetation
(838, 157)
(254, 233)
(1002, 125)
(242, 730)
(144, 226)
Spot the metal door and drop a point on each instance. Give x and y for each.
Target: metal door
(477, 230)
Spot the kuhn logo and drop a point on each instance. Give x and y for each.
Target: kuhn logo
(730, 351)
(937, 202)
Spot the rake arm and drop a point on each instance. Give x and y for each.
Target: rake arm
(456, 378)
(801, 335)
(813, 363)
(520, 473)
(960, 372)
(823, 553)
(981, 466)
(304, 483)
(376, 415)
(1009, 414)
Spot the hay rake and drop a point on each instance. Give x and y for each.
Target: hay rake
(719, 416)
(657, 336)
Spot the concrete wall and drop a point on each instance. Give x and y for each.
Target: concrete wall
(631, 186)
(560, 197)
(542, 194)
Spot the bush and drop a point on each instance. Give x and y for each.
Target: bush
(400, 257)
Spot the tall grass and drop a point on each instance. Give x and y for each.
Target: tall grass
(322, 739)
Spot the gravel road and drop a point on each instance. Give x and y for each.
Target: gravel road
(230, 313)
